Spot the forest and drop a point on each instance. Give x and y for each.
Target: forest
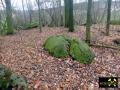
(59, 44)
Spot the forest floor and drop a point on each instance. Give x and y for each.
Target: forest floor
(23, 54)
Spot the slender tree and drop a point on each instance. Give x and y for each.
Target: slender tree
(40, 24)
(30, 11)
(9, 17)
(71, 19)
(88, 22)
(58, 12)
(66, 5)
(24, 11)
(60, 23)
(108, 17)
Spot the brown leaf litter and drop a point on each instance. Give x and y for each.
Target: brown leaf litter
(23, 54)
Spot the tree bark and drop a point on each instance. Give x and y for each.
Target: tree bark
(9, 17)
(66, 5)
(71, 19)
(108, 17)
(29, 7)
(24, 12)
(89, 22)
(40, 25)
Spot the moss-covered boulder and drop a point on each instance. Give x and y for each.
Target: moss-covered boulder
(9, 81)
(81, 52)
(57, 46)
(63, 46)
(117, 41)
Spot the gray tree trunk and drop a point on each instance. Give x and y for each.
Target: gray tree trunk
(24, 12)
(71, 19)
(66, 5)
(40, 21)
(108, 17)
(89, 22)
(9, 17)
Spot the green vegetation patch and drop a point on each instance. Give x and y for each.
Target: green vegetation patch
(4, 29)
(30, 25)
(81, 52)
(117, 41)
(9, 81)
(57, 46)
(62, 46)
(115, 22)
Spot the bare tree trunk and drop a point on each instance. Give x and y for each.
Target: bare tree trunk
(24, 11)
(59, 13)
(88, 23)
(108, 17)
(61, 21)
(29, 6)
(71, 19)
(66, 5)
(40, 24)
(9, 17)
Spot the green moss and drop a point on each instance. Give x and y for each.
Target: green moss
(57, 46)
(4, 77)
(81, 52)
(30, 25)
(60, 51)
(115, 22)
(8, 80)
(62, 46)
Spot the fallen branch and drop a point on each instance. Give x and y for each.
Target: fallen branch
(106, 46)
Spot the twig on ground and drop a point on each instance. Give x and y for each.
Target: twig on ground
(106, 46)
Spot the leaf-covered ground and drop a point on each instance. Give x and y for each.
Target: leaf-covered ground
(23, 54)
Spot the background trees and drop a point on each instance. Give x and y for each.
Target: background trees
(40, 21)
(88, 22)
(9, 17)
(30, 10)
(55, 13)
(24, 13)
